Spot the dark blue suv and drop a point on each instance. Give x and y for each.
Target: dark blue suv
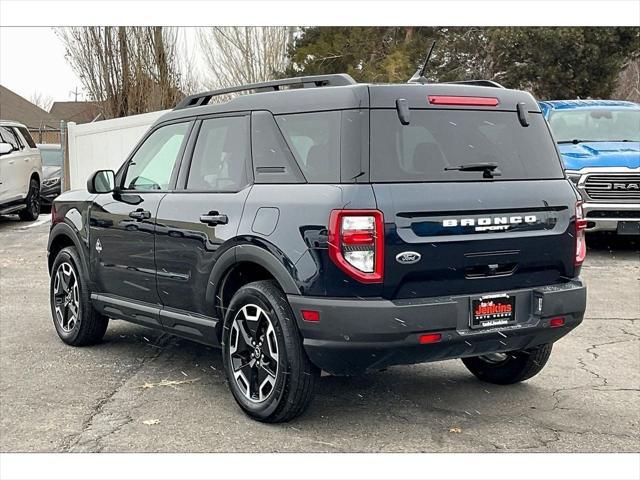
(321, 224)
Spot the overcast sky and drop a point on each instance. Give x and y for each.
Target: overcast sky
(32, 61)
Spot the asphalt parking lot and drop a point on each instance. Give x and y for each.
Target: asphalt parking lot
(144, 391)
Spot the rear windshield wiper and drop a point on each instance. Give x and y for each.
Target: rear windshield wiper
(489, 170)
(576, 141)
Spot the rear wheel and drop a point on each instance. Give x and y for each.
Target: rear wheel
(509, 367)
(32, 210)
(75, 319)
(267, 369)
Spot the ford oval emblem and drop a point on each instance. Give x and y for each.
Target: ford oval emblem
(408, 258)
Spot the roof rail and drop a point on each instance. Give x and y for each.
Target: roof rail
(480, 83)
(199, 99)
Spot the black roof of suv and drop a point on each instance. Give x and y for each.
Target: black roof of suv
(323, 224)
(305, 94)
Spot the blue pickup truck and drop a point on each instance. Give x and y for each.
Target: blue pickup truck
(599, 141)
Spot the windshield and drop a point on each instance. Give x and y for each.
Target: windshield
(51, 158)
(436, 142)
(596, 125)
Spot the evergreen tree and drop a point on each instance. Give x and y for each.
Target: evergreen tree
(551, 62)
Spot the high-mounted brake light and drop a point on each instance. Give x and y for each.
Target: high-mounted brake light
(356, 243)
(581, 242)
(469, 101)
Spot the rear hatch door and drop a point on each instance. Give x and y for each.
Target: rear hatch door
(450, 231)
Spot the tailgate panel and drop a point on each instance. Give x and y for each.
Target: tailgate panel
(514, 234)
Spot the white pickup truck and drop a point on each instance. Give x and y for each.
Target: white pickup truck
(20, 172)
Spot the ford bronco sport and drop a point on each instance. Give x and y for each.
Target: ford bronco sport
(321, 224)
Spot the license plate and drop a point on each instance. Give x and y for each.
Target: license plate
(628, 228)
(493, 311)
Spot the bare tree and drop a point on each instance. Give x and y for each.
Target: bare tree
(41, 100)
(129, 70)
(628, 84)
(240, 55)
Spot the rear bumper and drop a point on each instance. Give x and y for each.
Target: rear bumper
(354, 336)
(602, 217)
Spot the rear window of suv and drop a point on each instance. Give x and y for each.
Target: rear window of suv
(439, 139)
(314, 139)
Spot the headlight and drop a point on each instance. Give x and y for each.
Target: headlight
(573, 176)
(50, 182)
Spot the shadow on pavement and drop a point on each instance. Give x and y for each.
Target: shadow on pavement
(421, 392)
(603, 241)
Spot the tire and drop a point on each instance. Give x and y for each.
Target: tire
(32, 210)
(74, 318)
(514, 367)
(278, 386)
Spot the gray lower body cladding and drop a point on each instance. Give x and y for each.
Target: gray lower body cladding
(353, 336)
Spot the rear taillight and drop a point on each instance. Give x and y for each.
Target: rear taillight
(581, 241)
(54, 215)
(356, 243)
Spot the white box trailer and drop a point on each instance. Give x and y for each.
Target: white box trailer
(103, 145)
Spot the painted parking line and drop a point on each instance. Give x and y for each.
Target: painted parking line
(41, 221)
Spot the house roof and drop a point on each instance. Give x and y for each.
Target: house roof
(14, 107)
(79, 112)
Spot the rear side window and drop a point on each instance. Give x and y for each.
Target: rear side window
(440, 139)
(314, 139)
(220, 155)
(7, 135)
(27, 136)
(273, 161)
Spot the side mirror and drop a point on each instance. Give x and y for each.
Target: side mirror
(102, 181)
(5, 148)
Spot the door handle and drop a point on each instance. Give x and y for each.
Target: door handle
(140, 214)
(214, 218)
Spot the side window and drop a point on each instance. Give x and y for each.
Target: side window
(273, 161)
(152, 165)
(8, 136)
(314, 139)
(220, 155)
(27, 136)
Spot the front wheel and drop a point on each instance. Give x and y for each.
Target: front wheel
(75, 319)
(32, 210)
(267, 369)
(509, 367)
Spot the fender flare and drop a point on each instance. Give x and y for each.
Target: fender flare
(63, 229)
(249, 253)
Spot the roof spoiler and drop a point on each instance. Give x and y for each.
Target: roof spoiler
(479, 83)
(337, 80)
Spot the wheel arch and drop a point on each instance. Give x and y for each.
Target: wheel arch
(62, 236)
(244, 264)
